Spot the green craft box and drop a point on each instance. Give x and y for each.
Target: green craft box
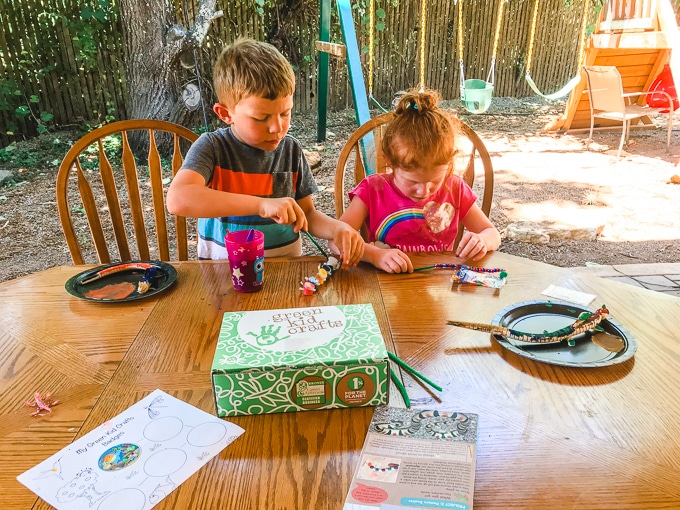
(299, 359)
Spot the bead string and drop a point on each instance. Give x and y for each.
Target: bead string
(324, 271)
(463, 266)
(391, 466)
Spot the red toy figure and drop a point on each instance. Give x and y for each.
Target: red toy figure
(43, 405)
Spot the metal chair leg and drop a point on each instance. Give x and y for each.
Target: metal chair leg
(623, 137)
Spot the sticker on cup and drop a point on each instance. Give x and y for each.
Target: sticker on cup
(245, 250)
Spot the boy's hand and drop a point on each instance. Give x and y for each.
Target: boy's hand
(350, 243)
(471, 246)
(284, 211)
(393, 261)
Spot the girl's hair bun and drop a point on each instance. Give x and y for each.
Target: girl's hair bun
(417, 102)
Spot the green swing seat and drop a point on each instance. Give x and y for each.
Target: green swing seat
(476, 95)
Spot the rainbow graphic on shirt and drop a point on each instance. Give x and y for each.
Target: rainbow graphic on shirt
(393, 219)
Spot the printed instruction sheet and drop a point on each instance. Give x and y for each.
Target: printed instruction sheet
(133, 460)
(415, 458)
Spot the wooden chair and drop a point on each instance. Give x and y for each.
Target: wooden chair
(125, 204)
(354, 159)
(608, 101)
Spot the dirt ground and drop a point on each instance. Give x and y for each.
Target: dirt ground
(539, 177)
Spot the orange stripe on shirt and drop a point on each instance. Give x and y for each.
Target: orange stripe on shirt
(240, 182)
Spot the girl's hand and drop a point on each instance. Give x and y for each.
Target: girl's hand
(393, 261)
(471, 246)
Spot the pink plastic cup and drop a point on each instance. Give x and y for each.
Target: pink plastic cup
(246, 259)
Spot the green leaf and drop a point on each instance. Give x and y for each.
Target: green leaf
(34, 99)
(41, 129)
(87, 13)
(380, 13)
(22, 111)
(46, 116)
(364, 49)
(380, 25)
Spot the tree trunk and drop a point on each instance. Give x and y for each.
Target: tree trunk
(154, 43)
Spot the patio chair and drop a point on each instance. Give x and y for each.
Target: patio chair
(104, 201)
(608, 100)
(364, 150)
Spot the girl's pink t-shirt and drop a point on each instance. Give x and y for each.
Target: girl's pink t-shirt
(398, 221)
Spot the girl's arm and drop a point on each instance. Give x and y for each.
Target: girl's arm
(480, 235)
(390, 260)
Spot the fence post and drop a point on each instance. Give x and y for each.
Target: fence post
(322, 83)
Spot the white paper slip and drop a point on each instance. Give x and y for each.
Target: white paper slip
(133, 460)
(570, 295)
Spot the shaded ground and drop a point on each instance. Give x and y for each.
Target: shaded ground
(539, 177)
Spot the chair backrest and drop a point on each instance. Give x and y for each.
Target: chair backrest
(351, 167)
(126, 203)
(605, 88)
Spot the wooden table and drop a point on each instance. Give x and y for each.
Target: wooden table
(549, 437)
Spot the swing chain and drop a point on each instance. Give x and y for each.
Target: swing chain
(423, 19)
(491, 77)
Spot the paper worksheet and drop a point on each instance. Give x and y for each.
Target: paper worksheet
(133, 460)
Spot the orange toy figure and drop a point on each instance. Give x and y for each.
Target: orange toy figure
(42, 405)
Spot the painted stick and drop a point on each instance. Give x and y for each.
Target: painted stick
(400, 387)
(412, 370)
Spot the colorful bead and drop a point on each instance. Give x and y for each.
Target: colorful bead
(324, 271)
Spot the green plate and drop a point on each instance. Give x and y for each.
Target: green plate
(540, 316)
(120, 286)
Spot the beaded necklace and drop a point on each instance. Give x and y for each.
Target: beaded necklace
(390, 467)
(493, 277)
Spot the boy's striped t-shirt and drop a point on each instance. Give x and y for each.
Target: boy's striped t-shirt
(230, 165)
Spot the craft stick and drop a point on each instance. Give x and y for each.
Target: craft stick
(413, 371)
(400, 387)
(424, 268)
(311, 238)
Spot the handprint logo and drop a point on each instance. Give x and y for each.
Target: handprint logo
(268, 335)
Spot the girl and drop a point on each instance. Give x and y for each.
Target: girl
(418, 205)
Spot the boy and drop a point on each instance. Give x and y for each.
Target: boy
(251, 174)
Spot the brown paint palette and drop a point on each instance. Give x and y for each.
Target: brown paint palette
(119, 283)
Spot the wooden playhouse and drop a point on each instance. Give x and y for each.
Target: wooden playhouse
(636, 36)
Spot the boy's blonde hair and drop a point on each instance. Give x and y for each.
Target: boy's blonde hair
(421, 133)
(252, 68)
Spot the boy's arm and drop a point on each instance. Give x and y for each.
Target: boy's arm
(188, 195)
(480, 236)
(346, 238)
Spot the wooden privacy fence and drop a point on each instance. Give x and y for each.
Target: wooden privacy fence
(75, 93)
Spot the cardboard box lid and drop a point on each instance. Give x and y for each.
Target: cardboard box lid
(298, 337)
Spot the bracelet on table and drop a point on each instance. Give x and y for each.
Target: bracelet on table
(483, 276)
